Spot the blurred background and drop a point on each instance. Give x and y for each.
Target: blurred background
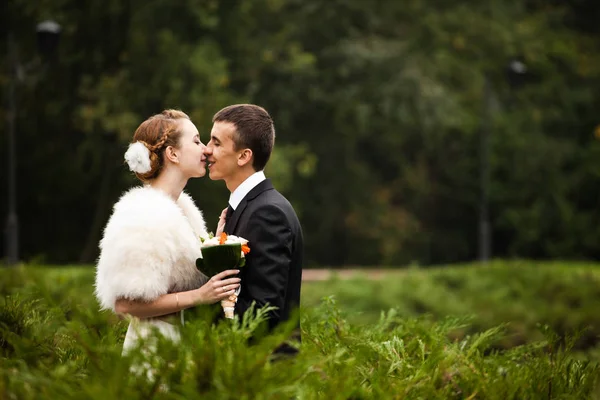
(413, 132)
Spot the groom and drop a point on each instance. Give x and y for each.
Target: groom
(240, 145)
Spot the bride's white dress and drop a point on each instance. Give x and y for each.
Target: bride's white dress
(140, 329)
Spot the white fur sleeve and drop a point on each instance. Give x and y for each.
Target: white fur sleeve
(130, 267)
(137, 251)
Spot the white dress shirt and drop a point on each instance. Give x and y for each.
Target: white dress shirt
(245, 187)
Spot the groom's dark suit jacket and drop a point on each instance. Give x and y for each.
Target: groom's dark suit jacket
(273, 270)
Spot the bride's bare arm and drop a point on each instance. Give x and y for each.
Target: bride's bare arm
(218, 288)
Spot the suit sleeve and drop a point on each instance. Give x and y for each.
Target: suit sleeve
(265, 281)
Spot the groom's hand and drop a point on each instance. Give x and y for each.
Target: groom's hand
(221, 223)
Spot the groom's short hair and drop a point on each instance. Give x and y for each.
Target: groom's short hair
(254, 130)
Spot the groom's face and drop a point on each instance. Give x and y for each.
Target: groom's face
(220, 151)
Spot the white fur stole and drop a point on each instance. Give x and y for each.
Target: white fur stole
(149, 247)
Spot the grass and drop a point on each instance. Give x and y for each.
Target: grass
(523, 295)
(505, 331)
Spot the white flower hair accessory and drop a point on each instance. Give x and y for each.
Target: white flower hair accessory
(138, 158)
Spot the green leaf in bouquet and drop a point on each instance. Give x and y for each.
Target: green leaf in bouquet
(216, 259)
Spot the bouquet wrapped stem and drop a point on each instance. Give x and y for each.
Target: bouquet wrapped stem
(229, 304)
(222, 253)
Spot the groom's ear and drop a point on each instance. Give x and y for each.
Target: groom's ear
(244, 157)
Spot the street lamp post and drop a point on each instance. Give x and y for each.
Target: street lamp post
(485, 239)
(516, 74)
(12, 221)
(47, 37)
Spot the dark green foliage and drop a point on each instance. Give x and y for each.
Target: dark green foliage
(378, 105)
(71, 352)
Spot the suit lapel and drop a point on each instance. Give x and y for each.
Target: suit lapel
(232, 222)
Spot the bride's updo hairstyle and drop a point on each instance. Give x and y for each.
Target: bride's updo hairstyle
(156, 134)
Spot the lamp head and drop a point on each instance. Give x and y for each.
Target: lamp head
(516, 72)
(48, 34)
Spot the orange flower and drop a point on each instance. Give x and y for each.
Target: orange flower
(223, 238)
(245, 249)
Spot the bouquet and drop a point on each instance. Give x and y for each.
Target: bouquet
(220, 253)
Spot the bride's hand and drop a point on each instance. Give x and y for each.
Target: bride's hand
(221, 223)
(219, 287)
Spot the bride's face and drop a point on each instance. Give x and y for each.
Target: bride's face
(190, 152)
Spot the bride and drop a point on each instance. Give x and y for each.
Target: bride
(147, 264)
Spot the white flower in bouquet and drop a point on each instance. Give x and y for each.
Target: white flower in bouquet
(226, 239)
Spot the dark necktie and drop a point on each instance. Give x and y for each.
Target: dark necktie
(229, 213)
